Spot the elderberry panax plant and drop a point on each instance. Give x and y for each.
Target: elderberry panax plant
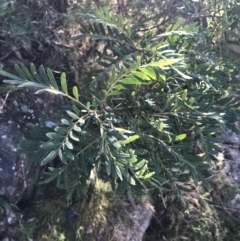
(137, 118)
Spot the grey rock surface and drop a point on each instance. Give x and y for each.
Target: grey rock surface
(3, 225)
(8, 218)
(15, 182)
(20, 109)
(231, 153)
(140, 216)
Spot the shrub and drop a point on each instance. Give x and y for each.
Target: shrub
(140, 116)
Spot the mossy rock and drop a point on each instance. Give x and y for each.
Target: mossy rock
(203, 219)
(100, 215)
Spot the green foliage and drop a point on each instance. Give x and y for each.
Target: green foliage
(6, 6)
(145, 107)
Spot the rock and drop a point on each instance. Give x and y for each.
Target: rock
(15, 182)
(8, 218)
(230, 170)
(3, 225)
(140, 216)
(231, 152)
(230, 137)
(10, 215)
(20, 109)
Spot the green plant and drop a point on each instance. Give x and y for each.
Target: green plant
(6, 6)
(139, 114)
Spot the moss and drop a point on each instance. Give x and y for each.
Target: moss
(204, 218)
(85, 219)
(94, 216)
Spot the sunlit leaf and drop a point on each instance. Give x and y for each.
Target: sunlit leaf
(114, 93)
(180, 137)
(77, 128)
(150, 72)
(141, 75)
(163, 62)
(73, 136)
(131, 81)
(64, 83)
(68, 144)
(161, 125)
(119, 87)
(75, 92)
(147, 176)
(73, 115)
(65, 121)
(119, 172)
(129, 140)
(113, 141)
(129, 31)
